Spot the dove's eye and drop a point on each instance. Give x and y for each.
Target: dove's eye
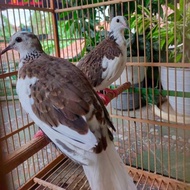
(18, 39)
(117, 20)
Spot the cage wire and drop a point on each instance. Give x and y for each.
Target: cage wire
(151, 118)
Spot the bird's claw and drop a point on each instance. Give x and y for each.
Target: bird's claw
(106, 100)
(40, 133)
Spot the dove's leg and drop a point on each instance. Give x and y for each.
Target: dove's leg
(109, 95)
(39, 133)
(106, 100)
(114, 93)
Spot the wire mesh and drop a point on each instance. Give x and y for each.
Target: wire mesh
(16, 127)
(71, 177)
(152, 131)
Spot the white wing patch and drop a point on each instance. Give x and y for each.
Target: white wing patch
(73, 144)
(114, 68)
(23, 91)
(86, 142)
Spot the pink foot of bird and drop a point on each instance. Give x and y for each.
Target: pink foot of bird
(115, 92)
(107, 98)
(40, 133)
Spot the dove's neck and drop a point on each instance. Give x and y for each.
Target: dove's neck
(118, 36)
(29, 56)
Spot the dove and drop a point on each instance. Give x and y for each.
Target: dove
(106, 62)
(61, 101)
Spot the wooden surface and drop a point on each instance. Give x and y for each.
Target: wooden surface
(23, 153)
(3, 181)
(68, 175)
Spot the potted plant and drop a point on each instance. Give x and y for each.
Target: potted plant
(177, 79)
(170, 36)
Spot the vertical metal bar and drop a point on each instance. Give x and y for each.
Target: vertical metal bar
(185, 164)
(55, 29)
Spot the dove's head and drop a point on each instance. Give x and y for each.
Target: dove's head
(23, 42)
(118, 23)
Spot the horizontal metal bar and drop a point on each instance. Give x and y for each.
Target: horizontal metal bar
(10, 6)
(155, 64)
(153, 122)
(4, 75)
(91, 6)
(170, 117)
(16, 131)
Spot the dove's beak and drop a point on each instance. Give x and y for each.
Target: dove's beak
(127, 26)
(9, 47)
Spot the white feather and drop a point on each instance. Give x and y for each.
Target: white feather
(104, 171)
(107, 171)
(114, 68)
(23, 91)
(86, 142)
(79, 144)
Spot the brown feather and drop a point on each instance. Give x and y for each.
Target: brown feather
(59, 97)
(91, 64)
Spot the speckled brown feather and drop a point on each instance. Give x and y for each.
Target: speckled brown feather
(60, 98)
(91, 64)
(61, 101)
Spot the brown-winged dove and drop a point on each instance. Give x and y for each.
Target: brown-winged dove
(61, 101)
(106, 62)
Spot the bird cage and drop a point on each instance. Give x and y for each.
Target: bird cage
(151, 118)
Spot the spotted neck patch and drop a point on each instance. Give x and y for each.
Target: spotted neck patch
(31, 56)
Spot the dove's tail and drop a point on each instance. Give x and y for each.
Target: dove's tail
(108, 172)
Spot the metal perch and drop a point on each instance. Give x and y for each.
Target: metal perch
(119, 89)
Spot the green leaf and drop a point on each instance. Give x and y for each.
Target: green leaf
(178, 58)
(171, 40)
(162, 43)
(181, 5)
